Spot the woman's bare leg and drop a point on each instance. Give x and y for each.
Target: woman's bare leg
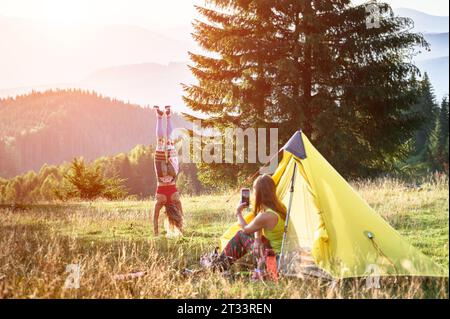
(169, 126)
(160, 136)
(170, 144)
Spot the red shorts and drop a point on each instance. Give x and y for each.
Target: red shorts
(167, 190)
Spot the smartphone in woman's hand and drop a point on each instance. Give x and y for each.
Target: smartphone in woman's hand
(245, 196)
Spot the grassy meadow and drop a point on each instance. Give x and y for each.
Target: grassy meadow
(111, 238)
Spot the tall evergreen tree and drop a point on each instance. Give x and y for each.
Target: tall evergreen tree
(7, 167)
(235, 82)
(427, 109)
(311, 65)
(441, 139)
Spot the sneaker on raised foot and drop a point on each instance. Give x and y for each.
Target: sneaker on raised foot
(159, 113)
(168, 110)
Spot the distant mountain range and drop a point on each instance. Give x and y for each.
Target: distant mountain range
(142, 83)
(37, 53)
(438, 45)
(423, 22)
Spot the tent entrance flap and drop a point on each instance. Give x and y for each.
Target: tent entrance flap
(302, 222)
(291, 195)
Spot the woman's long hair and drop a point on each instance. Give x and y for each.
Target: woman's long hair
(266, 194)
(174, 215)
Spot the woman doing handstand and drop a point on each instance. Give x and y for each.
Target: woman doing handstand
(166, 167)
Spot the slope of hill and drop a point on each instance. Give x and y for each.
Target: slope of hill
(55, 126)
(438, 46)
(141, 83)
(423, 22)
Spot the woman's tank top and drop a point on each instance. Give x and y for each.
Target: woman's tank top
(275, 236)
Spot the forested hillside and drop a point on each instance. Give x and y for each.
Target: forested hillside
(56, 126)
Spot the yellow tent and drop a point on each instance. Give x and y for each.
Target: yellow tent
(331, 223)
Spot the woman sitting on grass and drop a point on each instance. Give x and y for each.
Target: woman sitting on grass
(166, 167)
(264, 234)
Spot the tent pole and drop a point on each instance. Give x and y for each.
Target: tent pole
(286, 223)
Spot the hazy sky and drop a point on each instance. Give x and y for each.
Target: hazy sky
(146, 13)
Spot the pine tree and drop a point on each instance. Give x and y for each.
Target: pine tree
(236, 81)
(310, 65)
(428, 111)
(142, 162)
(7, 167)
(87, 183)
(13, 192)
(355, 85)
(124, 170)
(48, 187)
(441, 139)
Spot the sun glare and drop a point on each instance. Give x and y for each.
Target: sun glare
(53, 10)
(147, 13)
(62, 11)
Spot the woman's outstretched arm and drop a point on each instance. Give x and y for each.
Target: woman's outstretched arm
(257, 224)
